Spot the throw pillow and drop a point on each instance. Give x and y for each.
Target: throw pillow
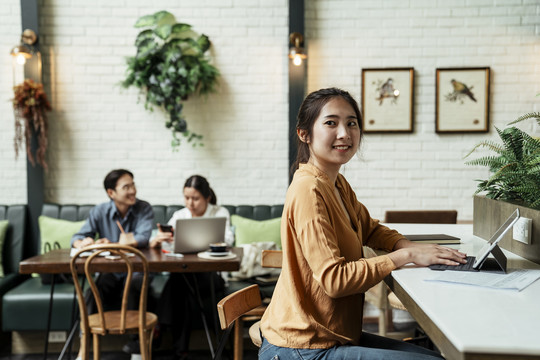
(248, 231)
(3, 229)
(57, 230)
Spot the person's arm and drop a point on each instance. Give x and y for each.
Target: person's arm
(161, 236)
(401, 250)
(85, 236)
(143, 229)
(315, 227)
(406, 251)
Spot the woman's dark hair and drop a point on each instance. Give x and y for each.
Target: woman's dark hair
(309, 112)
(112, 178)
(200, 184)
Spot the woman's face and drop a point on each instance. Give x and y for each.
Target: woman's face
(195, 201)
(335, 136)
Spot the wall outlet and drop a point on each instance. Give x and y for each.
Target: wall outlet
(57, 336)
(522, 230)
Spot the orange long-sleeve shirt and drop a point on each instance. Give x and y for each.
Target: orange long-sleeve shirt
(319, 297)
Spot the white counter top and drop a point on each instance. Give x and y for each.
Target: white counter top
(474, 319)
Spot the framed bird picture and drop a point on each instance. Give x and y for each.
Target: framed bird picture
(387, 100)
(462, 100)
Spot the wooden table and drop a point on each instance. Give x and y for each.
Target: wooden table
(470, 322)
(58, 262)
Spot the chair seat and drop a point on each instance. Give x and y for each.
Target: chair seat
(395, 302)
(255, 334)
(112, 322)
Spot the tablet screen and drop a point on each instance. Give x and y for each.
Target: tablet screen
(486, 249)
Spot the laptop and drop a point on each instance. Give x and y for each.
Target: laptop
(480, 261)
(196, 234)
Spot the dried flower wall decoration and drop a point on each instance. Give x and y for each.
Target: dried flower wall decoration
(31, 105)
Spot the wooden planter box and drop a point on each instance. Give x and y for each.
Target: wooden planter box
(488, 216)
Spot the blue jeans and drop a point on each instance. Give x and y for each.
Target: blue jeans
(372, 347)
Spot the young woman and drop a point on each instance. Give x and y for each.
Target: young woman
(200, 201)
(316, 309)
(175, 307)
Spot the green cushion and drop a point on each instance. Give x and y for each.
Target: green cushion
(57, 230)
(248, 231)
(3, 229)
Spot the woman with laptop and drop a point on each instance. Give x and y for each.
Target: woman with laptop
(174, 307)
(317, 306)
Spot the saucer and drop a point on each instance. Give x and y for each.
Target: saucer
(218, 254)
(222, 256)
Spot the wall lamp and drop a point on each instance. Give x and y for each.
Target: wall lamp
(296, 51)
(25, 49)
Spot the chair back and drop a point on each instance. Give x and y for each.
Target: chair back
(421, 216)
(233, 306)
(122, 253)
(272, 259)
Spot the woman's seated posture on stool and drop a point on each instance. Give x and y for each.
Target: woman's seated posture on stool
(316, 309)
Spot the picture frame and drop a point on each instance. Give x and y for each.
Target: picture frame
(388, 100)
(462, 100)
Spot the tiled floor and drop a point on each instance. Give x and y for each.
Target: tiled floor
(163, 352)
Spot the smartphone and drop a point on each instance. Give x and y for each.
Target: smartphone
(166, 228)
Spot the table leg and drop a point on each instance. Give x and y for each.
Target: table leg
(74, 322)
(195, 291)
(49, 318)
(214, 308)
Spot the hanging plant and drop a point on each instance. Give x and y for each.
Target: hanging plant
(169, 67)
(31, 105)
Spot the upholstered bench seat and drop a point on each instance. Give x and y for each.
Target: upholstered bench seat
(26, 307)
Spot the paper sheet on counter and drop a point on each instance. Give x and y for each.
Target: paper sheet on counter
(517, 279)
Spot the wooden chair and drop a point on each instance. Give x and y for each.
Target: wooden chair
(380, 295)
(117, 322)
(232, 307)
(269, 259)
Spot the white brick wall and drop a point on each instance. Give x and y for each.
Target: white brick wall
(424, 170)
(97, 126)
(12, 172)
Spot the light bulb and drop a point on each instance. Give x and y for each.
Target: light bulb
(21, 60)
(297, 60)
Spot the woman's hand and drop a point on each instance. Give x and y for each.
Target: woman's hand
(160, 238)
(425, 254)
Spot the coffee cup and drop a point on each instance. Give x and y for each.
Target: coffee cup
(218, 247)
(127, 239)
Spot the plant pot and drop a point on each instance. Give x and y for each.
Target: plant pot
(489, 215)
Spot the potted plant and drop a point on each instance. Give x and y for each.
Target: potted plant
(514, 182)
(170, 66)
(515, 167)
(31, 105)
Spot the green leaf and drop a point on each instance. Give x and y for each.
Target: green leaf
(163, 31)
(146, 21)
(164, 17)
(533, 115)
(144, 35)
(204, 43)
(178, 29)
(146, 47)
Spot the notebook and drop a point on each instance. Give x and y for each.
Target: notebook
(480, 261)
(196, 234)
(433, 238)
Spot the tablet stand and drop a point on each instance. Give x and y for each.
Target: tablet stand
(497, 263)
